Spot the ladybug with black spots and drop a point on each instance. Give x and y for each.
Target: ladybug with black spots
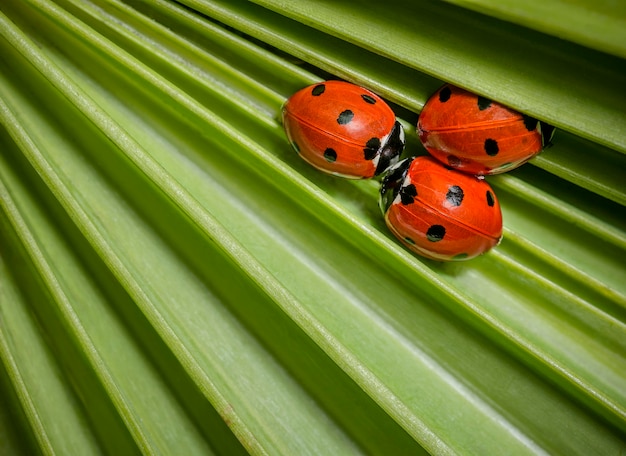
(476, 135)
(343, 129)
(438, 212)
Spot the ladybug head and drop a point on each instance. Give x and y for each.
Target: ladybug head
(391, 149)
(392, 182)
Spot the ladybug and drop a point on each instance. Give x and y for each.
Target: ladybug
(479, 136)
(438, 212)
(343, 129)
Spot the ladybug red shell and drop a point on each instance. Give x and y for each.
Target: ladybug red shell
(343, 129)
(476, 135)
(438, 212)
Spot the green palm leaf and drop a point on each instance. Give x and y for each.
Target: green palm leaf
(175, 280)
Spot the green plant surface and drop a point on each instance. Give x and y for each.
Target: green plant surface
(600, 25)
(174, 279)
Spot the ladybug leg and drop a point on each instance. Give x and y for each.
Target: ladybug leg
(391, 149)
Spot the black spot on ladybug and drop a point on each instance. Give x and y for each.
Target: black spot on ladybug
(530, 123)
(345, 117)
(490, 199)
(368, 99)
(483, 103)
(408, 240)
(318, 90)
(491, 147)
(408, 194)
(455, 195)
(371, 148)
(454, 161)
(459, 256)
(296, 147)
(330, 155)
(435, 233)
(444, 94)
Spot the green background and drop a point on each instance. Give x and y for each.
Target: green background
(175, 280)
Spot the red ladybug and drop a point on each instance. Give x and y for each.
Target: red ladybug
(438, 212)
(476, 135)
(343, 129)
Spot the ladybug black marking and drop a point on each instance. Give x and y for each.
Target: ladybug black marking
(345, 117)
(483, 103)
(318, 90)
(408, 194)
(368, 99)
(530, 123)
(444, 94)
(435, 233)
(330, 155)
(371, 148)
(491, 147)
(490, 199)
(455, 195)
